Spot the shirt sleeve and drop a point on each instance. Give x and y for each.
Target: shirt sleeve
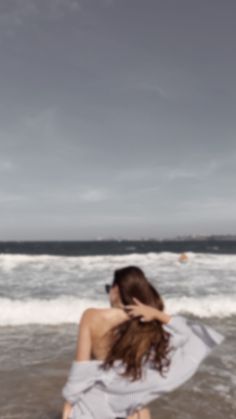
(192, 342)
(179, 330)
(195, 337)
(81, 377)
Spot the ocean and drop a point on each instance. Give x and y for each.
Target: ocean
(46, 286)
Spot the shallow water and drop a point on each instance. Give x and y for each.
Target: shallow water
(35, 361)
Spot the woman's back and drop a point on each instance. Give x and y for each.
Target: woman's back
(102, 320)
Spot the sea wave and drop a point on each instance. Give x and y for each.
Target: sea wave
(10, 261)
(69, 309)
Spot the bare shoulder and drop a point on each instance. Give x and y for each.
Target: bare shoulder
(89, 312)
(94, 311)
(96, 315)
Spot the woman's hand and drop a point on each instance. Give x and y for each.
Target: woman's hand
(146, 312)
(66, 410)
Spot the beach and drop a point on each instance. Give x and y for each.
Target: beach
(43, 297)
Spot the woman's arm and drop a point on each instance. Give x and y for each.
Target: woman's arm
(141, 414)
(84, 342)
(83, 349)
(176, 324)
(66, 410)
(146, 312)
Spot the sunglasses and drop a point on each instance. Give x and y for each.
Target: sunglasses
(107, 288)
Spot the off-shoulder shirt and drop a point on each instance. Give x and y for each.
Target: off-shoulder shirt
(104, 394)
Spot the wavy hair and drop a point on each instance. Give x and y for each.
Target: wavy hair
(133, 341)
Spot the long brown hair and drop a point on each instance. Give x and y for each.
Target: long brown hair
(133, 341)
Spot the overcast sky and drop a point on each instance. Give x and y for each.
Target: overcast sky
(117, 118)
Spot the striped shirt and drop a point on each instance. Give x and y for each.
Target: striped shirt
(104, 394)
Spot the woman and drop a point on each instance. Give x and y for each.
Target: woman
(131, 353)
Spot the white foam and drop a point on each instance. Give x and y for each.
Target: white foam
(69, 309)
(48, 312)
(12, 260)
(209, 306)
(35, 287)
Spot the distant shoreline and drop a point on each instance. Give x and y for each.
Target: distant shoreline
(117, 239)
(210, 245)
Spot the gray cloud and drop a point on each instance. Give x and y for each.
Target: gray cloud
(17, 12)
(117, 118)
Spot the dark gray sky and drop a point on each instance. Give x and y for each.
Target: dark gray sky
(117, 118)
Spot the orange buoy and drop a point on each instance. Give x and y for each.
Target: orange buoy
(183, 258)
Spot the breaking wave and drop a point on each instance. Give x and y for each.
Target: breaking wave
(69, 309)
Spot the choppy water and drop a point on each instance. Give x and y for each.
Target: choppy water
(43, 296)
